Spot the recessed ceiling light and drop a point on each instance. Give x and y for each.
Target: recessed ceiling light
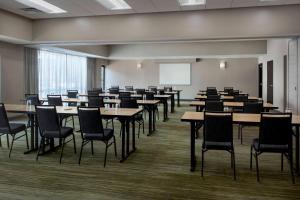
(42, 5)
(114, 4)
(191, 2)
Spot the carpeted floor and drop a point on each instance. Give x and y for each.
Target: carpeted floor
(159, 169)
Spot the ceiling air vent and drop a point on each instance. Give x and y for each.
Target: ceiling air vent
(32, 10)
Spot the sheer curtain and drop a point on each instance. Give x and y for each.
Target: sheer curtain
(59, 72)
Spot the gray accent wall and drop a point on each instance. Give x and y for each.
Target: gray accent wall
(241, 73)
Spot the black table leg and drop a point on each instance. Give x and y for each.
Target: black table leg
(153, 115)
(193, 157)
(178, 98)
(150, 120)
(123, 124)
(133, 135)
(33, 146)
(297, 149)
(172, 103)
(127, 137)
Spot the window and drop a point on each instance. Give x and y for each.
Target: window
(60, 72)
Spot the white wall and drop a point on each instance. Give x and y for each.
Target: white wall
(276, 49)
(241, 73)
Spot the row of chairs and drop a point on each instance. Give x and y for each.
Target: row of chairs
(229, 91)
(236, 98)
(275, 136)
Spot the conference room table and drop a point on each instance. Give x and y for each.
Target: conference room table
(219, 92)
(238, 118)
(125, 115)
(200, 104)
(228, 98)
(149, 105)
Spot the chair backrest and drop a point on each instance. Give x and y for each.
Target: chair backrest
(213, 97)
(140, 91)
(4, 123)
(161, 92)
(129, 103)
(54, 100)
(90, 120)
(94, 92)
(214, 106)
(114, 87)
(123, 95)
(218, 127)
(211, 92)
(114, 91)
(152, 89)
(253, 107)
(149, 95)
(47, 118)
(226, 89)
(128, 88)
(95, 101)
(240, 98)
(275, 129)
(72, 93)
(149, 87)
(34, 98)
(168, 88)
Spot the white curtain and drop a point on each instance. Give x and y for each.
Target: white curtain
(59, 72)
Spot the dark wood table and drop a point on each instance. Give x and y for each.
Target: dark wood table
(238, 118)
(125, 115)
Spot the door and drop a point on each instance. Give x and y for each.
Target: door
(260, 81)
(270, 81)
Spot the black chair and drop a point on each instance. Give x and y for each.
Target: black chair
(254, 107)
(218, 135)
(140, 91)
(214, 106)
(168, 89)
(233, 92)
(213, 97)
(211, 88)
(226, 89)
(115, 87)
(240, 98)
(49, 126)
(114, 90)
(7, 128)
(33, 98)
(152, 89)
(123, 95)
(150, 96)
(72, 94)
(94, 92)
(128, 88)
(55, 100)
(91, 127)
(275, 136)
(132, 103)
(211, 92)
(98, 89)
(97, 101)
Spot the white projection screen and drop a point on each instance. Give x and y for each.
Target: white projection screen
(175, 74)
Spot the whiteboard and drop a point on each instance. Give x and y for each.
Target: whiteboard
(175, 74)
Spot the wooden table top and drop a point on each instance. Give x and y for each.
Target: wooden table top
(226, 97)
(237, 117)
(232, 104)
(118, 112)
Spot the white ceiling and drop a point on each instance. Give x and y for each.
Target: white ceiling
(77, 8)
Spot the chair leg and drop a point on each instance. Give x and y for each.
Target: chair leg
(139, 130)
(143, 127)
(74, 142)
(231, 163)
(202, 163)
(62, 150)
(115, 146)
(282, 162)
(12, 143)
(257, 169)
(79, 160)
(7, 140)
(0, 141)
(92, 147)
(241, 134)
(239, 131)
(233, 159)
(105, 154)
(251, 154)
(26, 135)
(290, 159)
(39, 149)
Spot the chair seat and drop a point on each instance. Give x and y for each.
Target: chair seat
(218, 145)
(269, 147)
(65, 132)
(106, 135)
(14, 127)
